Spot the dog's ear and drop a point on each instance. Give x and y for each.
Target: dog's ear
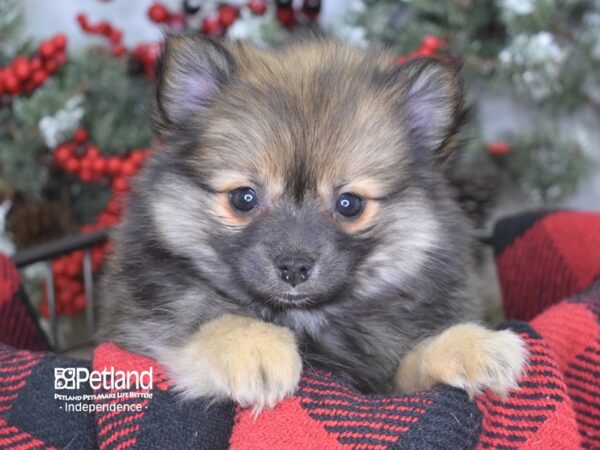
(193, 69)
(431, 101)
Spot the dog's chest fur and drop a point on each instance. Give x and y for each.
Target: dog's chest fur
(364, 345)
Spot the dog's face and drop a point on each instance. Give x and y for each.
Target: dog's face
(293, 177)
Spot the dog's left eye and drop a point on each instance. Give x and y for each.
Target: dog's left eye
(244, 199)
(349, 205)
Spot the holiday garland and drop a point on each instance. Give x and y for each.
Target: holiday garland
(225, 14)
(81, 158)
(27, 73)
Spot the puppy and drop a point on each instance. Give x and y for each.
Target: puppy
(298, 216)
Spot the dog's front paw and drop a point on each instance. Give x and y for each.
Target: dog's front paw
(465, 356)
(252, 362)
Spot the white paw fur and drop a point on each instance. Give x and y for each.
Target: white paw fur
(252, 362)
(466, 356)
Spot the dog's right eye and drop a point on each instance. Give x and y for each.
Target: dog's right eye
(244, 199)
(349, 205)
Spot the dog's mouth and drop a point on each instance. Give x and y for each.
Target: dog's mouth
(288, 301)
(294, 297)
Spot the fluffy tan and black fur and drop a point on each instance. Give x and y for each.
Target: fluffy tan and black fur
(196, 282)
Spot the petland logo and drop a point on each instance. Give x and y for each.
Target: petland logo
(108, 379)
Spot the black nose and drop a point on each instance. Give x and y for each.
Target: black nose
(294, 269)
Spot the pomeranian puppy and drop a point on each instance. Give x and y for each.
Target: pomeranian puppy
(299, 216)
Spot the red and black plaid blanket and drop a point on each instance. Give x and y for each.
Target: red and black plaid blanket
(549, 268)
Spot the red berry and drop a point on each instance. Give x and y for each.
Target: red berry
(118, 50)
(120, 184)
(114, 206)
(85, 164)
(86, 175)
(92, 152)
(98, 255)
(73, 269)
(425, 51)
(128, 169)
(77, 285)
(62, 280)
(286, 17)
(62, 154)
(82, 20)
(80, 135)
(60, 58)
(60, 41)
(104, 28)
(47, 49)
(106, 220)
(114, 165)
(211, 26)
(99, 165)
(39, 76)
(158, 13)
(72, 165)
(257, 7)
(11, 83)
(51, 66)
(58, 267)
(77, 257)
(432, 42)
(498, 148)
(137, 157)
(64, 296)
(35, 64)
(228, 14)
(115, 36)
(103, 220)
(21, 68)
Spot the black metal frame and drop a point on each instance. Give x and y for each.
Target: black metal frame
(59, 247)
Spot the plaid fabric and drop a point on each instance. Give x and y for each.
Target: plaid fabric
(16, 327)
(543, 257)
(556, 407)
